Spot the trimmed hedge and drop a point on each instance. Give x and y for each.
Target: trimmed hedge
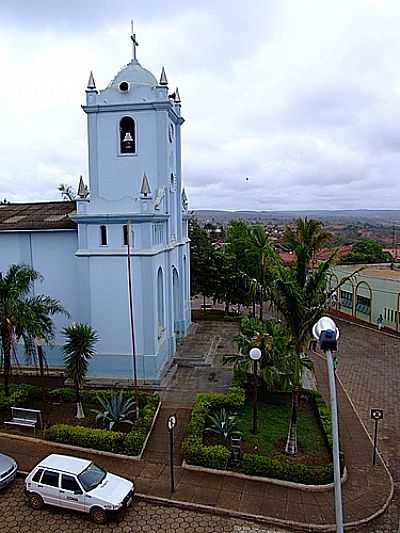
(259, 465)
(103, 439)
(194, 451)
(100, 439)
(19, 395)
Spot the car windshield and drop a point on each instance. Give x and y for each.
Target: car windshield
(92, 477)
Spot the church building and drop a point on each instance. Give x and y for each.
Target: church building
(126, 233)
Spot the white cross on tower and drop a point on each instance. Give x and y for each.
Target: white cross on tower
(134, 42)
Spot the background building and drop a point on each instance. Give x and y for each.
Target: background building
(372, 292)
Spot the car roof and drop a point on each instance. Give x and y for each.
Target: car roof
(65, 463)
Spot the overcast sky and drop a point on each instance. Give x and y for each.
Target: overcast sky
(301, 97)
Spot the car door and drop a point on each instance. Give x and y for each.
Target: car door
(71, 493)
(49, 488)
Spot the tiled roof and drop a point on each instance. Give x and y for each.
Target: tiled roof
(39, 215)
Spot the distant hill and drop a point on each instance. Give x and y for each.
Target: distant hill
(348, 216)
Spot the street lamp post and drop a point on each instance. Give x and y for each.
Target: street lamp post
(326, 332)
(255, 356)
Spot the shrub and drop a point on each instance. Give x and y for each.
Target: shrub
(259, 465)
(99, 439)
(19, 395)
(64, 394)
(194, 451)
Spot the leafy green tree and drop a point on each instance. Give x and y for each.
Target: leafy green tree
(23, 315)
(78, 350)
(366, 251)
(203, 273)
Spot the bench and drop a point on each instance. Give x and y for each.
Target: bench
(24, 418)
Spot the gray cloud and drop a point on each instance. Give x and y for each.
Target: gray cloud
(302, 98)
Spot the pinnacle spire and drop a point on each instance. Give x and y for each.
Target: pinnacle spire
(145, 188)
(177, 96)
(82, 189)
(91, 86)
(163, 77)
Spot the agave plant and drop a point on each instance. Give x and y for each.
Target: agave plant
(118, 408)
(222, 424)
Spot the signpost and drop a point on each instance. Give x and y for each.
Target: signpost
(171, 426)
(376, 414)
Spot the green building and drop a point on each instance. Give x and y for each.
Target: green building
(371, 291)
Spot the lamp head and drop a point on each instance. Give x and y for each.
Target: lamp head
(326, 332)
(255, 354)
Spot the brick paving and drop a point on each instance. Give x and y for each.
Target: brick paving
(18, 517)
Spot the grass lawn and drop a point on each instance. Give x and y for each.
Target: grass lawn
(272, 429)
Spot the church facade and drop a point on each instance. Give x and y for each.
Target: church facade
(117, 255)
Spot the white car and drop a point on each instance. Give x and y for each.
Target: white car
(80, 485)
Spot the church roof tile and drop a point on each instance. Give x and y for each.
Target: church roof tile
(36, 216)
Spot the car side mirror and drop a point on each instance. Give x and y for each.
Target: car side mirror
(78, 491)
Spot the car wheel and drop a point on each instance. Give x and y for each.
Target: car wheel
(36, 501)
(98, 515)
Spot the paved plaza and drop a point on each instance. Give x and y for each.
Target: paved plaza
(369, 372)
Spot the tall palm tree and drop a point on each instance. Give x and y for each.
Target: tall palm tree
(22, 315)
(266, 260)
(78, 350)
(306, 239)
(301, 304)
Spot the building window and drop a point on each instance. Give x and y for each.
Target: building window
(363, 304)
(125, 233)
(158, 233)
(103, 235)
(346, 299)
(160, 302)
(127, 136)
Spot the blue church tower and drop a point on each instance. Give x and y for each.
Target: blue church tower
(136, 207)
(117, 257)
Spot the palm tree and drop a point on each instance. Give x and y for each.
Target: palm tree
(266, 260)
(22, 315)
(78, 350)
(272, 339)
(306, 239)
(301, 304)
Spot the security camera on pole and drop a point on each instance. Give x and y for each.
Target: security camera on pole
(326, 332)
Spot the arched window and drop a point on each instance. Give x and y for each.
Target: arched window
(160, 301)
(127, 135)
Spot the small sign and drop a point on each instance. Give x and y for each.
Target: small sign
(171, 422)
(377, 414)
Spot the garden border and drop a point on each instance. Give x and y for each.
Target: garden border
(273, 481)
(88, 450)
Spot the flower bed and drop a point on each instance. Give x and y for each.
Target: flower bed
(130, 443)
(61, 409)
(197, 452)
